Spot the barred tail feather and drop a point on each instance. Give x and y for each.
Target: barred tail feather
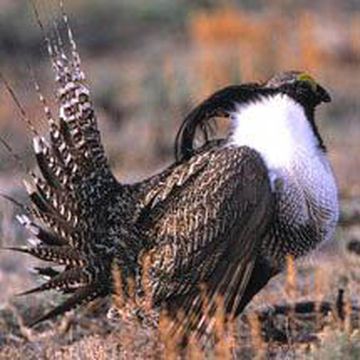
(64, 255)
(51, 168)
(46, 272)
(81, 296)
(42, 234)
(75, 141)
(76, 109)
(69, 279)
(73, 177)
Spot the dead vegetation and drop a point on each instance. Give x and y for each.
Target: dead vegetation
(297, 328)
(311, 310)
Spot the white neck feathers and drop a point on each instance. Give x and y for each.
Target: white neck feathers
(277, 128)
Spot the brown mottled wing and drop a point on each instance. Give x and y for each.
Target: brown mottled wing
(208, 218)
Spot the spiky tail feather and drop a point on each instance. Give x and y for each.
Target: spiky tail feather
(81, 296)
(74, 188)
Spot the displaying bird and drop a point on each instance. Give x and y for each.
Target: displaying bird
(224, 217)
(232, 211)
(277, 120)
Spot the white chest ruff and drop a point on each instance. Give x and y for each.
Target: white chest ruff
(278, 129)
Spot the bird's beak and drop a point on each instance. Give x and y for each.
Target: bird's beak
(322, 94)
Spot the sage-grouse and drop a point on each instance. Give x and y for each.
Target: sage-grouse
(219, 222)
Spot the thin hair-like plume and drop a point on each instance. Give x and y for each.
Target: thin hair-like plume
(24, 117)
(46, 108)
(13, 201)
(49, 46)
(14, 155)
(75, 54)
(59, 45)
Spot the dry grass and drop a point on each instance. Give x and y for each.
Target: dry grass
(274, 324)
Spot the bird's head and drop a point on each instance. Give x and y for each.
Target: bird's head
(300, 86)
(297, 85)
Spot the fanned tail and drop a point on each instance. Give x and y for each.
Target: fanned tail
(71, 187)
(75, 141)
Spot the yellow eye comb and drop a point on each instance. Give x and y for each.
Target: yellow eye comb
(309, 79)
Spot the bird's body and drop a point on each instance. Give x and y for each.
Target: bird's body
(284, 202)
(223, 217)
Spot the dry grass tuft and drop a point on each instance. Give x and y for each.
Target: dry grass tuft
(291, 278)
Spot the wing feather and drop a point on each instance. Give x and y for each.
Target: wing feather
(209, 225)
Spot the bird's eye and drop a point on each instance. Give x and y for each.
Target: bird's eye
(303, 86)
(307, 81)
